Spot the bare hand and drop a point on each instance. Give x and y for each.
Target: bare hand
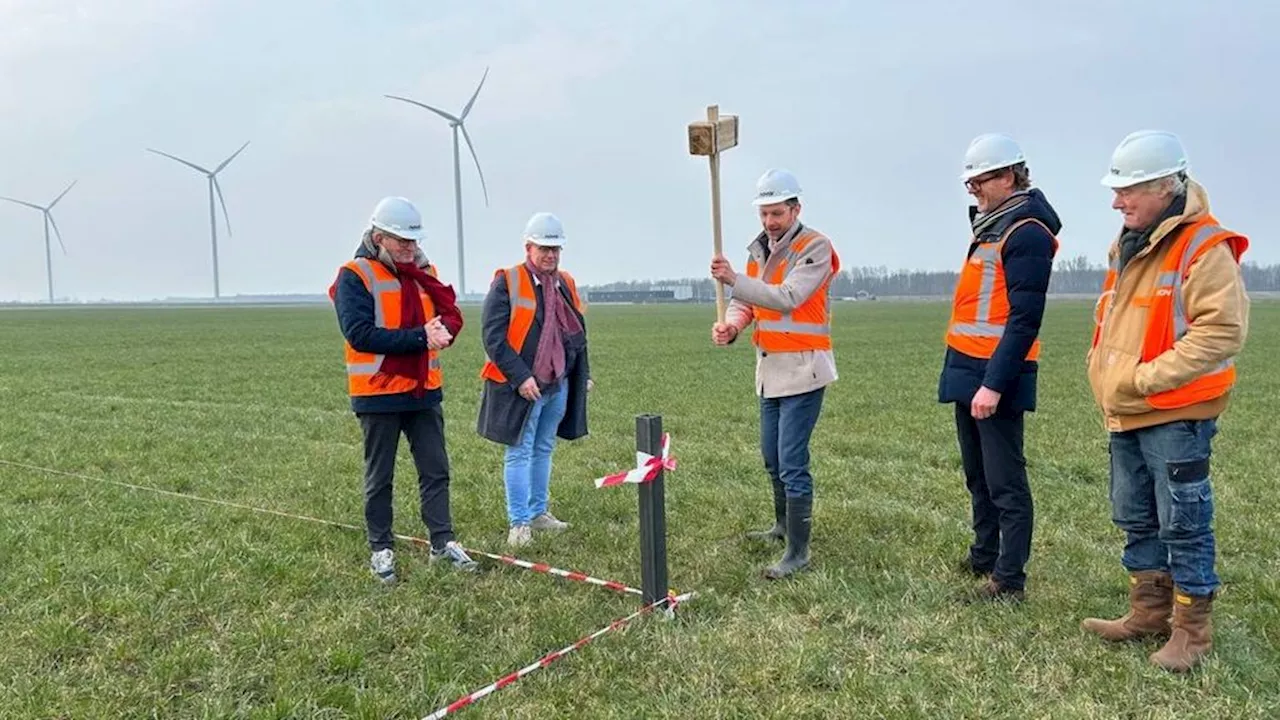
(722, 271)
(723, 333)
(591, 384)
(437, 336)
(529, 390)
(984, 403)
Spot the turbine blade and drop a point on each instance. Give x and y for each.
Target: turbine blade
(225, 216)
(474, 95)
(191, 165)
(437, 111)
(57, 233)
(228, 160)
(466, 136)
(22, 202)
(64, 192)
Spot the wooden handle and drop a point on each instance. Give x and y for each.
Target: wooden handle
(715, 229)
(713, 117)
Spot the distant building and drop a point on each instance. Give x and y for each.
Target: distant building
(630, 296)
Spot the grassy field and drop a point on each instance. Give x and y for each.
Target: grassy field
(118, 603)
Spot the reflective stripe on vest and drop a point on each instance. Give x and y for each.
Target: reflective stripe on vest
(364, 377)
(808, 325)
(980, 307)
(1167, 320)
(524, 308)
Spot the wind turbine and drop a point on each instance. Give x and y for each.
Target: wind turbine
(214, 187)
(456, 122)
(48, 222)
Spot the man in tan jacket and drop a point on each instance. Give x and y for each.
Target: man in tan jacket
(1172, 317)
(785, 292)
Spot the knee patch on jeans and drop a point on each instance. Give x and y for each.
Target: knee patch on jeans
(1191, 511)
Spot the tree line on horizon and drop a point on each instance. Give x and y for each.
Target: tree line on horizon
(1070, 276)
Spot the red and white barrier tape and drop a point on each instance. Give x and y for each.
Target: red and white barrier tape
(423, 542)
(671, 601)
(646, 469)
(566, 574)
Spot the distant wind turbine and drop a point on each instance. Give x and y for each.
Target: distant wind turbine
(214, 187)
(48, 222)
(456, 122)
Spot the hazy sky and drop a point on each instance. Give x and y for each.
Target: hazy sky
(584, 114)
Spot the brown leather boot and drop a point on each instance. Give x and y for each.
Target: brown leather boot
(1192, 637)
(1150, 603)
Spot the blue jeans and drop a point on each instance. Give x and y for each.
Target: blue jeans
(527, 466)
(1161, 498)
(786, 423)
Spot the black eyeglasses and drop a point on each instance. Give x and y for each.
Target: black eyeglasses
(973, 184)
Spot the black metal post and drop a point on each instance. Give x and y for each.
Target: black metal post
(653, 516)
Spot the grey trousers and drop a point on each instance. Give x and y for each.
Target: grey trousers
(424, 430)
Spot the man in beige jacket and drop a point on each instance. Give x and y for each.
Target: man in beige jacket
(1171, 319)
(785, 292)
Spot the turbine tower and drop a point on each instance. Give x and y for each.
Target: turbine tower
(47, 211)
(456, 122)
(214, 187)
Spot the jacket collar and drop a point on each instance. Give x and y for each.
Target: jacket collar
(1197, 207)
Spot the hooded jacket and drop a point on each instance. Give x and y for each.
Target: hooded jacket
(1027, 258)
(1217, 308)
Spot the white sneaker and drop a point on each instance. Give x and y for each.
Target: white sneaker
(547, 521)
(519, 536)
(383, 565)
(456, 556)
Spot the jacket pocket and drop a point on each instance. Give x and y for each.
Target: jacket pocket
(1115, 387)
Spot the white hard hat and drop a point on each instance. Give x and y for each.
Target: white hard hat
(544, 229)
(988, 152)
(1145, 155)
(399, 217)
(776, 186)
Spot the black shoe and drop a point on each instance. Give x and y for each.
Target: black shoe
(799, 522)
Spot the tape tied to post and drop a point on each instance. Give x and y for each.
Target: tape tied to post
(646, 469)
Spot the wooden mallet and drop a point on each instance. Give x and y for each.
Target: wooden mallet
(710, 137)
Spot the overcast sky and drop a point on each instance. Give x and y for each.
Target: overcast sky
(584, 114)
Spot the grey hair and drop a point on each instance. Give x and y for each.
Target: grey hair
(1170, 185)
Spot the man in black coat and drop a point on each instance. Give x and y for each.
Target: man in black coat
(991, 362)
(395, 317)
(537, 374)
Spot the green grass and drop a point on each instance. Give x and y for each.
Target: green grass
(125, 604)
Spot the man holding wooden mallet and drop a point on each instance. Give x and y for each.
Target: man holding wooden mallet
(785, 292)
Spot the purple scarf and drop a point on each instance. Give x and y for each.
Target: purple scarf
(558, 322)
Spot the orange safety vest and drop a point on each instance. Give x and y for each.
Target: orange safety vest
(363, 369)
(1167, 320)
(805, 327)
(524, 306)
(980, 308)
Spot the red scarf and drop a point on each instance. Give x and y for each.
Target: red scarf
(416, 365)
(558, 323)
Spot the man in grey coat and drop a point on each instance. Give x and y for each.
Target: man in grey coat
(536, 375)
(785, 293)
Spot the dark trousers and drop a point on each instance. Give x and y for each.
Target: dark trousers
(995, 472)
(425, 431)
